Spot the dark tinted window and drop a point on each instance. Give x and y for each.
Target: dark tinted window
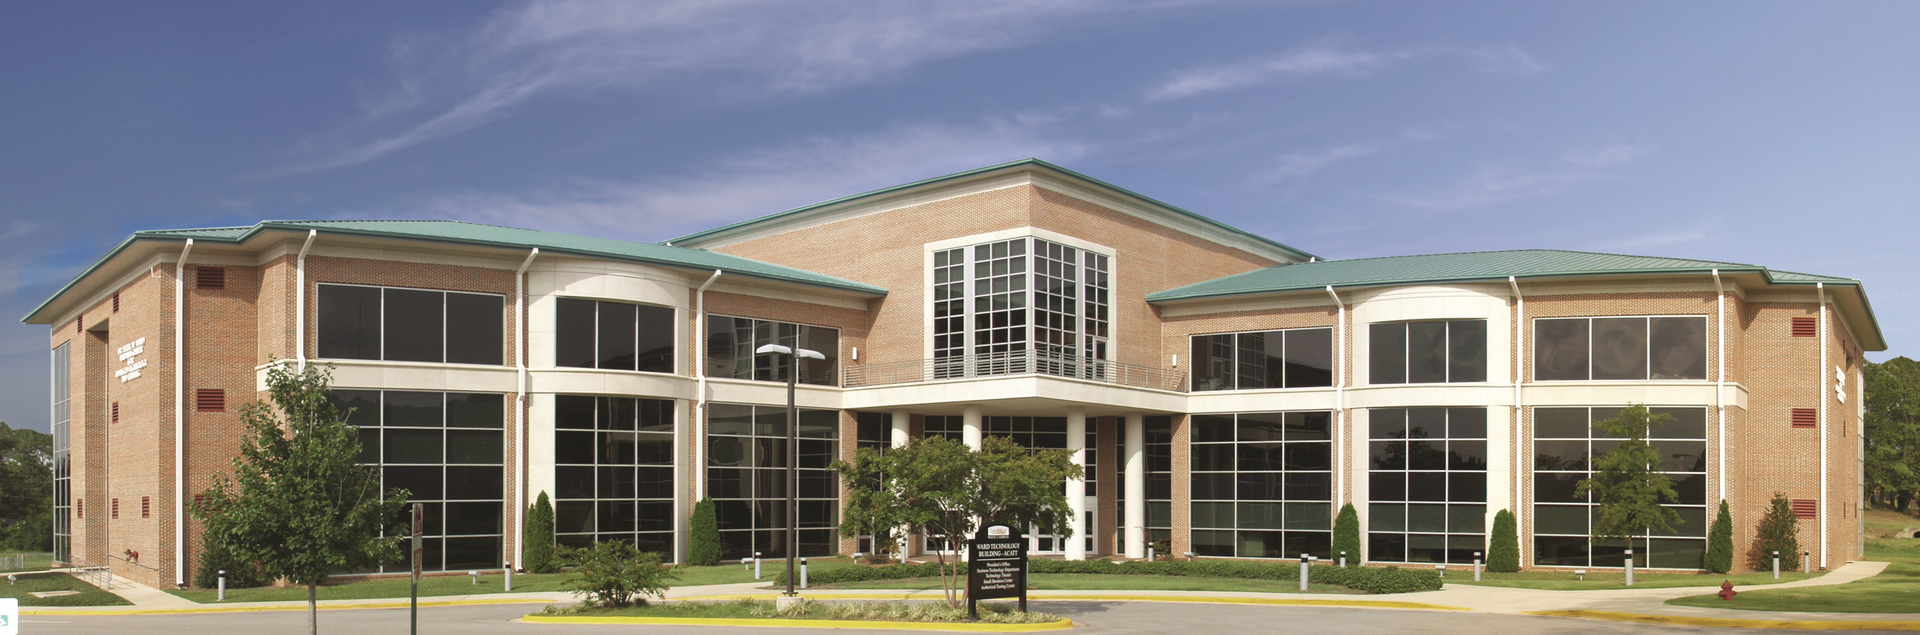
(1679, 348)
(574, 333)
(1467, 350)
(1309, 357)
(1387, 353)
(415, 325)
(349, 322)
(1620, 348)
(474, 328)
(1427, 352)
(1560, 350)
(655, 339)
(1627, 348)
(476, 410)
(616, 336)
(1212, 362)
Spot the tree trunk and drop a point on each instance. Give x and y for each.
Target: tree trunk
(1904, 498)
(313, 610)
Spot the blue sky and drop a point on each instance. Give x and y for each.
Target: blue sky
(1771, 133)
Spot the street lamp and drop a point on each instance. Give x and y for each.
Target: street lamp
(793, 448)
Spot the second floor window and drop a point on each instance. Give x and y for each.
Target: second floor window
(1297, 358)
(1427, 352)
(1011, 301)
(613, 336)
(1620, 348)
(410, 325)
(731, 342)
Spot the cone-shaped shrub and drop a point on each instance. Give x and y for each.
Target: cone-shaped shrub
(1720, 542)
(1779, 531)
(540, 557)
(1346, 535)
(705, 550)
(1503, 553)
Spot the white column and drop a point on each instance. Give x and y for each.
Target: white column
(902, 422)
(1136, 491)
(970, 422)
(1076, 546)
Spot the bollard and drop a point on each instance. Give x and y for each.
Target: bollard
(1629, 567)
(223, 585)
(1581, 574)
(803, 573)
(475, 575)
(756, 565)
(1303, 572)
(509, 574)
(1343, 559)
(1776, 565)
(1806, 562)
(1442, 568)
(1476, 566)
(1149, 553)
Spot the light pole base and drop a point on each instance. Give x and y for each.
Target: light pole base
(785, 602)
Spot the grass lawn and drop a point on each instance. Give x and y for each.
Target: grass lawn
(90, 595)
(1896, 590)
(1098, 582)
(34, 561)
(1000, 612)
(490, 582)
(1616, 579)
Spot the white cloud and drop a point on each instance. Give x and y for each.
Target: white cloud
(1505, 60)
(739, 49)
(1310, 60)
(1608, 155)
(1698, 231)
(1300, 165)
(17, 228)
(752, 184)
(1487, 186)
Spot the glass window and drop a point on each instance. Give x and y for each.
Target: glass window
(1623, 348)
(747, 477)
(1296, 358)
(415, 323)
(616, 471)
(1427, 484)
(1020, 305)
(62, 453)
(475, 325)
(613, 336)
(412, 325)
(654, 339)
(439, 447)
(349, 322)
(574, 328)
(1263, 480)
(731, 343)
(1564, 445)
(1427, 352)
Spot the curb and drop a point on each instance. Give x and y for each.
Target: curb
(1063, 624)
(1193, 599)
(259, 609)
(1722, 622)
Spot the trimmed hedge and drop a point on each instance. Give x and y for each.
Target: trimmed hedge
(1368, 579)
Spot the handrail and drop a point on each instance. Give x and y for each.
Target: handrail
(1013, 363)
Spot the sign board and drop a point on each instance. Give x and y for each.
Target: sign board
(419, 554)
(996, 566)
(9, 616)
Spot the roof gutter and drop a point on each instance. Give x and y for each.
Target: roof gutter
(180, 416)
(300, 301)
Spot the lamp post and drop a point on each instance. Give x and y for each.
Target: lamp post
(794, 355)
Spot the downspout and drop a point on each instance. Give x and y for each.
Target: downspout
(520, 408)
(1825, 394)
(180, 416)
(1339, 394)
(1720, 381)
(700, 399)
(1519, 409)
(300, 301)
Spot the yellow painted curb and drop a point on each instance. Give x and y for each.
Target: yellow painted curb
(1197, 599)
(793, 623)
(239, 608)
(1721, 622)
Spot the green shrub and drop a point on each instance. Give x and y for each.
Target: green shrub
(539, 536)
(1368, 579)
(214, 559)
(705, 548)
(1346, 535)
(1779, 531)
(1720, 542)
(1503, 554)
(614, 574)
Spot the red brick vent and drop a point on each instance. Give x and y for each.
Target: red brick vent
(1803, 508)
(146, 507)
(210, 278)
(114, 511)
(77, 328)
(1806, 418)
(115, 417)
(79, 508)
(1806, 327)
(210, 400)
(116, 303)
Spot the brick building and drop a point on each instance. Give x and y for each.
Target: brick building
(1226, 392)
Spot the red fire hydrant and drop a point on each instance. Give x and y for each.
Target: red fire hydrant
(1726, 590)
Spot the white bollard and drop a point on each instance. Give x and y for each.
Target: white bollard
(509, 574)
(1442, 568)
(803, 573)
(1303, 572)
(1343, 559)
(1149, 553)
(474, 574)
(1629, 567)
(1776, 565)
(1476, 566)
(1806, 562)
(223, 585)
(756, 565)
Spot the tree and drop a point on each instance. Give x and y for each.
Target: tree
(539, 557)
(298, 503)
(26, 489)
(1627, 482)
(613, 574)
(1346, 535)
(1720, 541)
(1779, 531)
(1503, 553)
(705, 550)
(1892, 429)
(943, 490)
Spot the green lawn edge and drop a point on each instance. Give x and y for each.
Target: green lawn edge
(27, 584)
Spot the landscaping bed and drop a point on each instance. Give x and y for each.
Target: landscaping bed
(990, 612)
(1362, 579)
(87, 594)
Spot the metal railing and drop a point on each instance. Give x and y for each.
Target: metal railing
(95, 574)
(1013, 363)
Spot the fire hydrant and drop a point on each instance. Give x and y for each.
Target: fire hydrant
(1726, 590)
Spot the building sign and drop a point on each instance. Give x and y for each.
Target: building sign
(131, 370)
(996, 567)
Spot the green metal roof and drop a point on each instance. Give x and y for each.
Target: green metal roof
(1463, 267)
(993, 168)
(463, 233)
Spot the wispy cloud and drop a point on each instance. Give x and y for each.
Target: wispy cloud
(1505, 60)
(1329, 58)
(17, 228)
(737, 49)
(755, 183)
(1492, 185)
(1302, 164)
(1607, 155)
(1698, 231)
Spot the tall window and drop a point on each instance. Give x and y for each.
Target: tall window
(1021, 299)
(1263, 484)
(1159, 451)
(62, 456)
(1427, 484)
(875, 430)
(1427, 352)
(613, 471)
(1565, 444)
(1032, 433)
(731, 342)
(1629, 348)
(613, 336)
(950, 427)
(410, 325)
(447, 451)
(747, 475)
(1296, 358)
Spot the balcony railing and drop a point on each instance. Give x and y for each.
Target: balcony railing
(1014, 363)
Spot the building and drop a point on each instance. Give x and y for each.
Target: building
(1226, 392)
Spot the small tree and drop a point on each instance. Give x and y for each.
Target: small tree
(705, 550)
(940, 488)
(614, 574)
(1346, 535)
(1779, 531)
(1503, 552)
(298, 503)
(540, 557)
(1720, 542)
(1627, 482)
(214, 558)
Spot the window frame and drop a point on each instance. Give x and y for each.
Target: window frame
(707, 358)
(1706, 346)
(1233, 364)
(1446, 358)
(445, 338)
(673, 319)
